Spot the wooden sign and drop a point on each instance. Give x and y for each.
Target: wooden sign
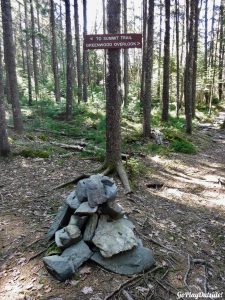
(113, 41)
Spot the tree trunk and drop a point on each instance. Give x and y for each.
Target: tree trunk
(10, 61)
(62, 41)
(160, 52)
(34, 48)
(166, 65)
(85, 54)
(55, 68)
(189, 66)
(77, 38)
(144, 51)
(69, 71)
(28, 60)
(42, 60)
(4, 143)
(22, 41)
(195, 54)
(148, 74)
(221, 51)
(177, 15)
(206, 37)
(126, 57)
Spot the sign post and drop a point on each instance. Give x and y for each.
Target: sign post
(113, 41)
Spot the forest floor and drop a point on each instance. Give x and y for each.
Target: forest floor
(178, 210)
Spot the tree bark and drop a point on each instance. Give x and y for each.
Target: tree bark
(206, 37)
(144, 50)
(126, 57)
(221, 51)
(10, 61)
(85, 54)
(77, 38)
(148, 73)
(34, 48)
(55, 68)
(166, 65)
(69, 71)
(28, 60)
(177, 15)
(4, 142)
(160, 52)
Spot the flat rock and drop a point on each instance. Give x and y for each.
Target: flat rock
(113, 209)
(67, 236)
(61, 219)
(60, 267)
(78, 221)
(72, 200)
(77, 253)
(85, 209)
(81, 192)
(90, 228)
(131, 262)
(113, 237)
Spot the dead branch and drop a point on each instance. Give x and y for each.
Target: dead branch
(79, 146)
(187, 272)
(123, 177)
(127, 295)
(131, 280)
(156, 242)
(73, 181)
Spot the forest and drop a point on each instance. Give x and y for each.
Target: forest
(144, 119)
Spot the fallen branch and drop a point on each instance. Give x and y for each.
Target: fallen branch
(127, 295)
(123, 176)
(76, 147)
(187, 272)
(137, 277)
(73, 181)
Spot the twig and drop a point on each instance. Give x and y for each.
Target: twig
(137, 277)
(165, 288)
(187, 272)
(36, 255)
(156, 242)
(206, 277)
(34, 242)
(127, 295)
(74, 181)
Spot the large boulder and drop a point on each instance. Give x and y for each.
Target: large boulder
(85, 210)
(72, 200)
(113, 237)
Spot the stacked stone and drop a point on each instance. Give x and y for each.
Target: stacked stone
(92, 225)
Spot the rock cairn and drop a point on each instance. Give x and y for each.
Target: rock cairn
(92, 225)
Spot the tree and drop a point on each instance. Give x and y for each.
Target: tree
(188, 78)
(77, 38)
(4, 143)
(85, 54)
(143, 70)
(126, 57)
(221, 51)
(28, 60)
(166, 64)
(55, 68)
(69, 64)
(34, 49)
(10, 61)
(177, 56)
(113, 99)
(148, 72)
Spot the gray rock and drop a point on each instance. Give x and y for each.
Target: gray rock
(61, 219)
(113, 237)
(78, 221)
(77, 253)
(131, 262)
(81, 191)
(90, 228)
(113, 209)
(72, 200)
(85, 209)
(109, 187)
(60, 267)
(95, 190)
(67, 236)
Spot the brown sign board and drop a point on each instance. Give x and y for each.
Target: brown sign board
(113, 41)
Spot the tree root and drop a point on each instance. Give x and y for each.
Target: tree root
(123, 177)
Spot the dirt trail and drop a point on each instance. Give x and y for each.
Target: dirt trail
(183, 220)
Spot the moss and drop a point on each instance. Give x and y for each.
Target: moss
(34, 153)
